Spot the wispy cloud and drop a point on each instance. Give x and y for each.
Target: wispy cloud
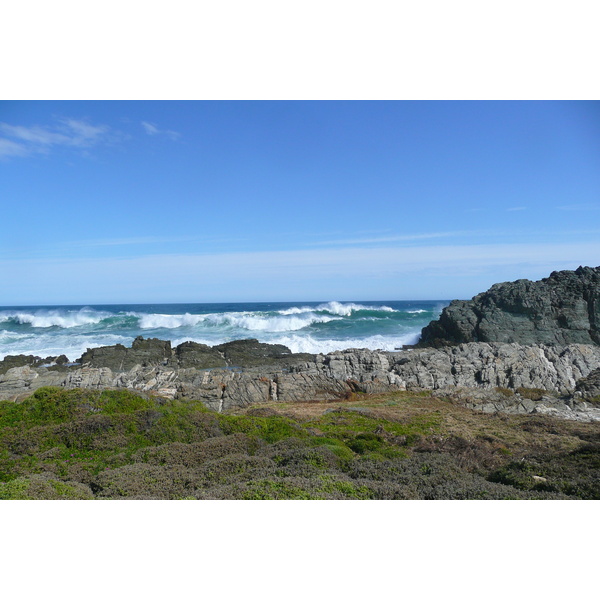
(152, 129)
(19, 140)
(516, 208)
(323, 273)
(388, 239)
(11, 148)
(137, 245)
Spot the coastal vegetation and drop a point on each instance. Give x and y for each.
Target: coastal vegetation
(117, 444)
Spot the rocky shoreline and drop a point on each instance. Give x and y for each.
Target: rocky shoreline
(493, 377)
(561, 309)
(520, 347)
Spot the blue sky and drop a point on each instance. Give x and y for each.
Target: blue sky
(202, 201)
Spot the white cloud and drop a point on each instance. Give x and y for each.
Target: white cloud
(10, 148)
(23, 141)
(149, 128)
(387, 239)
(516, 208)
(344, 273)
(152, 129)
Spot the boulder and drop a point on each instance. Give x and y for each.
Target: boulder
(251, 352)
(145, 352)
(198, 356)
(18, 360)
(561, 309)
(589, 386)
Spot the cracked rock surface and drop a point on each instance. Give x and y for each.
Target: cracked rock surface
(566, 374)
(561, 309)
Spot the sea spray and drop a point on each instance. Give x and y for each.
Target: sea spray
(302, 326)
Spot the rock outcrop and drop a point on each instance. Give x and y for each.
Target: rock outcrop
(519, 347)
(558, 310)
(504, 373)
(143, 352)
(152, 352)
(589, 387)
(21, 360)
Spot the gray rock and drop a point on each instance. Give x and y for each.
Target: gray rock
(199, 356)
(484, 370)
(559, 310)
(251, 352)
(145, 352)
(589, 387)
(19, 360)
(152, 352)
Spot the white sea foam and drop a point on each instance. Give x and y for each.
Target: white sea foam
(11, 336)
(158, 321)
(72, 346)
(305, 343)
(343, 309)
(250, 321)
(297, 343)
(253, 322)
(55, 318)
(70, 331)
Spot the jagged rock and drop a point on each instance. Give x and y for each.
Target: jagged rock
(88, 377)
(251, 352)
(145, 352)
(55, 363)
(589, 386)
(558, 310)
(18, 360)
(544, 372)
(152, 352)
(199, 356)
(114, 357)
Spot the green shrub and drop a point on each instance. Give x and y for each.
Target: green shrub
(532, 393)
(365, 442)
(270, 429)
(42, 487)
(506, 392)
(122, 401)
(575, 474)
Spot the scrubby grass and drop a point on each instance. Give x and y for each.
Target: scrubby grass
(84, 444)
(532, 393)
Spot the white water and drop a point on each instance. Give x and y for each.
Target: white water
(302, 327)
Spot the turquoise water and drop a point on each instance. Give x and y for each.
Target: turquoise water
(302, 326)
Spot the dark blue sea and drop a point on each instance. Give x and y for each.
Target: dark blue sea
(302, 326)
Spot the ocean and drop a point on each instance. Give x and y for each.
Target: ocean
(301, 326)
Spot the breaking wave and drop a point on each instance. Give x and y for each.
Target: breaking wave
(303, 327)
(312, 345)
(343, 309)
(54, 318)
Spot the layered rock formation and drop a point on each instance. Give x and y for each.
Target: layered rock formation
(561, 309)
(304, 378)
(152, 351)
(517, 348)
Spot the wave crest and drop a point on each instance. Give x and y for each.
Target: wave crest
(342, 309)
(297, 343)
(55, 318)
(249, 321)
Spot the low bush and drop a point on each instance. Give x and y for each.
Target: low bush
(43, 487)
(506, 392)
(60, 444)
(532, 393)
